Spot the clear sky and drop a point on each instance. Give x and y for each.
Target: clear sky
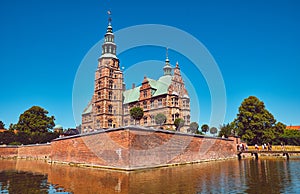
(255, 43)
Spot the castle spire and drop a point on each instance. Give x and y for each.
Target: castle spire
(109, 47)
(167, 68)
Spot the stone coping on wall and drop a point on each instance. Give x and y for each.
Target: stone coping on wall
(141, 128)
(28, 145)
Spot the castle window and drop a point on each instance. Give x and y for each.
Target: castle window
(145, 93)
(159, 102)
(115, 97)
(126, 109)
(98, 109)
(152, 103)
(110, 85)
(188, 119)
(110, 123)
(145, 120)
(100, 72)
(110, 109)
(111, 72)
(115, 86)
(152, 120)
(109, 95)
(126, 122)
(98, 123)
(99, 94)
(175, 101)
(145, 104)
(131, 121)
(175, 116)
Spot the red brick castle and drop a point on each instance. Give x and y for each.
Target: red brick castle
(111, 102)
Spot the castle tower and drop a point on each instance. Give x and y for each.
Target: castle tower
(107, 99)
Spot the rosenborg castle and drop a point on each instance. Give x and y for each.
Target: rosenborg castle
(111, 102)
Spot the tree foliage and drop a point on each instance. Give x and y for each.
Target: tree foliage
(35, 120)
(290, 137)
(227, 130)
(33, 127)
(2, 125)
(160, 119)
(255, 124)
(213, 130)
(194, 127)
(137, 113)
(205, 128)
(178, 123)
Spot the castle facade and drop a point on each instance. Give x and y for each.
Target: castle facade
(111, 102)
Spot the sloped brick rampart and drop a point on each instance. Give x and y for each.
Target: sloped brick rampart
(134, 148)
(129, 148)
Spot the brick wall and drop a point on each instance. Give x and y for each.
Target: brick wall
(140, 148)
(130, 148)
(8, 151)
(39, 151)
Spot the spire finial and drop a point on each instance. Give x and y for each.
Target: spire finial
(109, 17)
(167, 53)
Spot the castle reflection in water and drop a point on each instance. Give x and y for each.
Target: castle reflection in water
(248, 175)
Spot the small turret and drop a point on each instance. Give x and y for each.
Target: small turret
(167, 68)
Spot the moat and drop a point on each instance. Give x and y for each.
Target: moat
(230, 176)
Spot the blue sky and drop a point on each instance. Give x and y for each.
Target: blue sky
(255, 43)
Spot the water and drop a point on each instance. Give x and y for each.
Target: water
(246, 176)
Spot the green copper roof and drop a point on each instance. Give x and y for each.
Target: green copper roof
(57, 127)
(88, 108)
(131, 95)
(159, 86)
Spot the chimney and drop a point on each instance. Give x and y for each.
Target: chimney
(133, 85)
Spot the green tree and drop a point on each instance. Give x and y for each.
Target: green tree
(227, 130)
(255, 124)
(7, 137)
(2, 125)
(160, 119)
(178, 123)
(194, 127)
(136, 113)
(205, 128)
(213, 130)
(290, 137)
(35, 119)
